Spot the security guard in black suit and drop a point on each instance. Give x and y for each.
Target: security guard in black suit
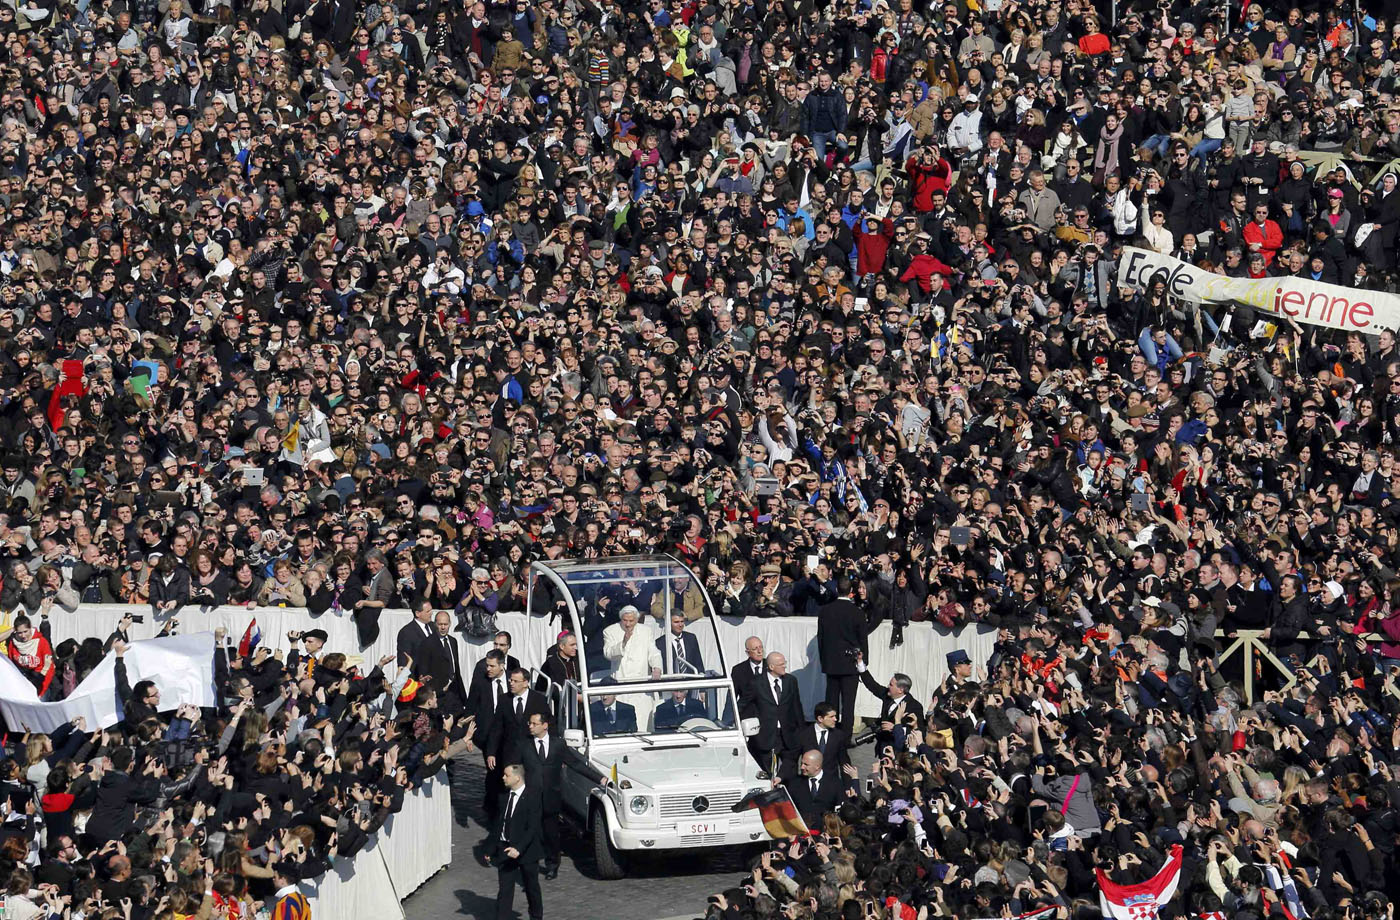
(511, 729)
(517, 845)
(815, 790)
(439, 664)
(488, 688)
(841, 639)
(543, 759)
(825, 737)
(748, 678)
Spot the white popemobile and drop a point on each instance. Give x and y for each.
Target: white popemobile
(654, 751)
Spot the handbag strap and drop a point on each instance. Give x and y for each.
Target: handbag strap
(1064, 806)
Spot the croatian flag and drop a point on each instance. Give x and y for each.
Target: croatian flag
(252, 638)
(1143, 900)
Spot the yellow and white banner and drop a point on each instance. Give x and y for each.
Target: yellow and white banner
(1303, 299)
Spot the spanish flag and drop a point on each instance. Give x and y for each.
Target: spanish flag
(780, 817)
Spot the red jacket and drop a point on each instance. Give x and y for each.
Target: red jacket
(1097, 43)
(923, 267)
(880, 63)
(872, 247)
(1269, 237)
(927, 180)
(38, 659)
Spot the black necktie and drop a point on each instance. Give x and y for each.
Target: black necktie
(777, 688)
(519, 706)
(500, 689)
(541, 746)
(813, 782)
(505, 825)
(821, 742)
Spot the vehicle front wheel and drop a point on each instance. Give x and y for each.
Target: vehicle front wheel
(608, 859)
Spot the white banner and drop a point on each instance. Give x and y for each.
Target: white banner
(1303, 299)
(182, 668)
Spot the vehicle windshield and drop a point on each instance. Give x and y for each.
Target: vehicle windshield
(708, 709)
(641, 621)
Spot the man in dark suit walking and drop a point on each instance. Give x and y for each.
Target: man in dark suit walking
(544, 770)
(511, 731)
(412, 634)
(488, 690)
(825, 737)
(748, 680)
(500, 643)
(517, 845)
(439, 665)
(815, 790)
(779, 704)
(841, 636)
(896, 704)
(680, 650)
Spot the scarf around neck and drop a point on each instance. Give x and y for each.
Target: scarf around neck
(1106, 156)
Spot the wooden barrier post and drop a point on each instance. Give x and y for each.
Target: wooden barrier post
(1248, 640)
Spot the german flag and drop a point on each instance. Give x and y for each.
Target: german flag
(780, 817)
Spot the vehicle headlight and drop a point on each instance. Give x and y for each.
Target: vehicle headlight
(756, 790)
(640, 804)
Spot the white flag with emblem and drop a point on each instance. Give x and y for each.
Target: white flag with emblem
(1143, 900)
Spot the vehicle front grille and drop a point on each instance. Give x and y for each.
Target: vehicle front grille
(682, 804)
(703, 840)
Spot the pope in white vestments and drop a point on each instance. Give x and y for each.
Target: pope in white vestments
(631, 647)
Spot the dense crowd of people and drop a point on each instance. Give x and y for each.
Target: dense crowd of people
(178, 811)
(356, 306)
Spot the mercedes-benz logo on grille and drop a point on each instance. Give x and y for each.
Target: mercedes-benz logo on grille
(700, 804)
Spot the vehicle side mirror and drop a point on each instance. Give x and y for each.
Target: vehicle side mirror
(573, 737)
(750, 727)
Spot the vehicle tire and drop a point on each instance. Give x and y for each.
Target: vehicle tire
(609, 861)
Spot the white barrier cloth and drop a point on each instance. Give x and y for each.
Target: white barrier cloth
(923, 656)
(1303, 299)
(182, 668)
